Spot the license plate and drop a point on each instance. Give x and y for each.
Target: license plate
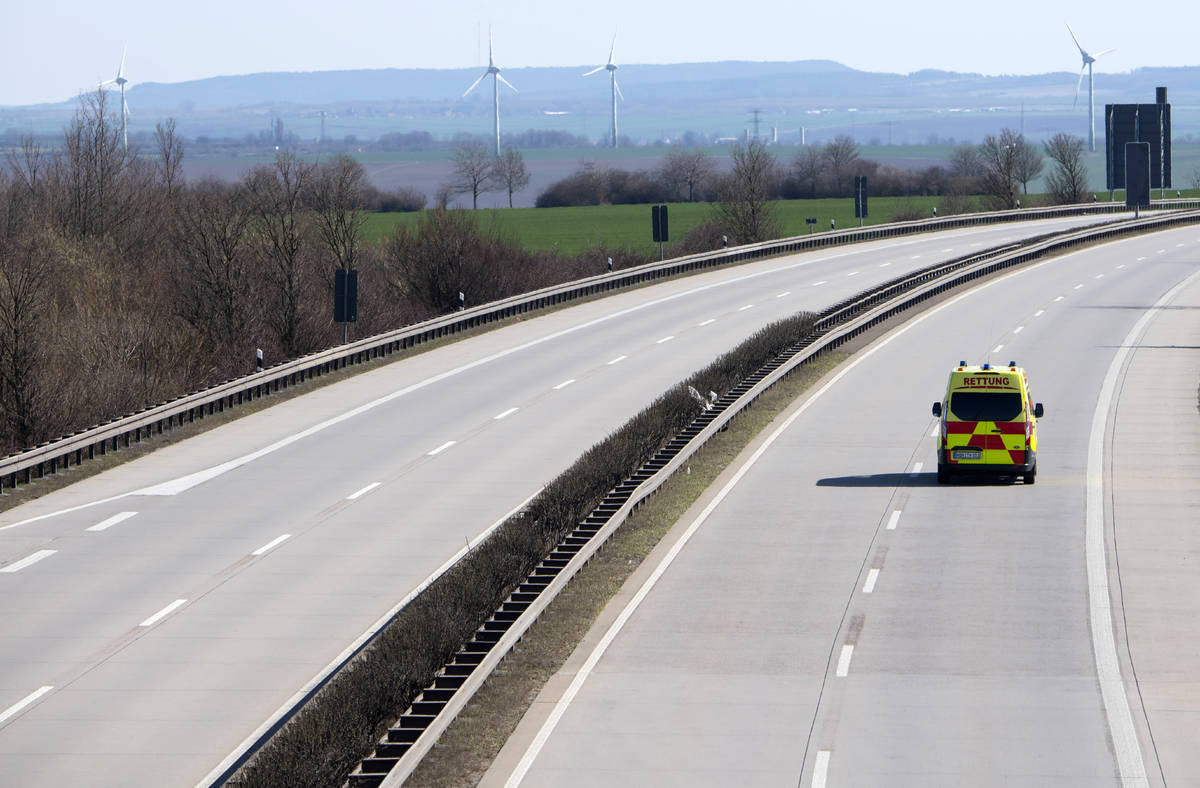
(967, 454)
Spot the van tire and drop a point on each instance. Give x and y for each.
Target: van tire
(943, 474)
(1030, 477)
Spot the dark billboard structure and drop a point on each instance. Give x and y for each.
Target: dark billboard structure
(1137, 175)
(1150, 123)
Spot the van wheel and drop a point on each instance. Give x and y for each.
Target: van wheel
(943, 474)
(1030, 477)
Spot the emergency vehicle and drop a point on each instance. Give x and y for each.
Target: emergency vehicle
(989, 423)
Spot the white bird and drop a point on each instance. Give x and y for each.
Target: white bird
(611, 67)
(494, 70)
(1088, 60)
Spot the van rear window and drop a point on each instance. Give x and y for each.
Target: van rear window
(985, 406)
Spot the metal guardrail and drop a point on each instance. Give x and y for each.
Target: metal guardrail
(400, 751)
(86, 444)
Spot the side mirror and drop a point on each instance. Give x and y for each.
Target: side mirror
(1038, 410)
(937, 409)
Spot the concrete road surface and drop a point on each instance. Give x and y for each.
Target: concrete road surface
(829, 615)
(156, 616)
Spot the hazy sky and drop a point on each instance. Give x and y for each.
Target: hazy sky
(54, 48)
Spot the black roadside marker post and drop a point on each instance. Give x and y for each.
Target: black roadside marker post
(258, 360)
(812, 224)
(860, 198)
(658, 220)
(345, 299)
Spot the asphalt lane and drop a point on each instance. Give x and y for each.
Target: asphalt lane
(171, 625)
(836, 617)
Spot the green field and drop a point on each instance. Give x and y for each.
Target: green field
(576, 229)
(571, 231)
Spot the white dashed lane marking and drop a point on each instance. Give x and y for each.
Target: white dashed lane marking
(872, 577)
(166, 611)
(894, 520)
(442, 448)
(843, 666)
(20, 705)
(708, 322)
(505, 414)
(617, 360)
(271, 545)
(664, 339)
(356, 495)
(111, 521)
(784, 293)
(27, 561)
(564, 384)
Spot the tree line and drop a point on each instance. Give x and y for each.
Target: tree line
(123, 285)
(992, 169)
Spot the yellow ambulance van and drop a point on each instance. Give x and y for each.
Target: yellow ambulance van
(989, 423)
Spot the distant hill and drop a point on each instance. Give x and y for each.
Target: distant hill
(821, 97)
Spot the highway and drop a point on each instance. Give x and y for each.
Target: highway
(155, 616)
(829, 615)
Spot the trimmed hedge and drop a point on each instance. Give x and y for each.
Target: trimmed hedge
(327, 738)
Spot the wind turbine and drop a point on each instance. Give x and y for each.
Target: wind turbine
(616, 89)
(494, 70)
(1088, 60)
(120, 81)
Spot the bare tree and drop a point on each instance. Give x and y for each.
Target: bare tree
(1067, 182)
(999, 158)
(745, 194)
(688, 169)
(966, 162)
(213, 278)
(474, 173)
(170, 156)
(841, 154)
(444, 254)
(24, 272)
(509, 172)
(339, 200)
(276, 193)
(807, 170)
(1029, 164)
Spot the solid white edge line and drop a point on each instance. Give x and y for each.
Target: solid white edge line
(821, 769)
(271, 545)
(843, 666)
(20, 705)
(564, 384)
(894, 520)
(356, 495)
(27, 561)
(279, 713)
(166, 611)
(120, 517)
(560, 707)
(872, 578)
(441, 448)
(505, 414)
(1128, 751)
